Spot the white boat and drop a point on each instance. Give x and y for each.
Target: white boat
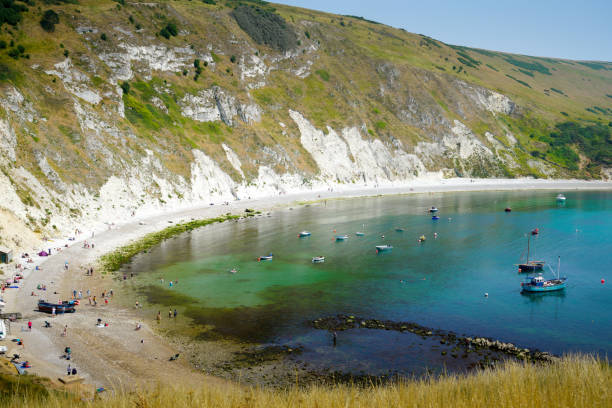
(383, 248)
(304, 234)
(266, 258)
(318, 259)
(359, 234)
(2, 330)
(233, 270)
(561, 197)
(341, 237)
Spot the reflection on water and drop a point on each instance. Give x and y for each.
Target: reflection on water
(439, 283)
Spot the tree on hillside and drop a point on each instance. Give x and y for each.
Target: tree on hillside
(49, 20)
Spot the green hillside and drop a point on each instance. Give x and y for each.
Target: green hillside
(91, 88)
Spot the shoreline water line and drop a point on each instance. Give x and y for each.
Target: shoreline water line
(107, 243)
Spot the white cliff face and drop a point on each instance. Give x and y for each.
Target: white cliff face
(145, 60)
(8, 141)
(487, 99)
(464, 142)
(232, 157)
(351, 158)
(75, 81)
(215, 104)
(16, 105)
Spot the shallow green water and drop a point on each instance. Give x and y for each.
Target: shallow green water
(437, 284)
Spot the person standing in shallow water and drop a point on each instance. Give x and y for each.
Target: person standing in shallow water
(159, 316)
(335, 338)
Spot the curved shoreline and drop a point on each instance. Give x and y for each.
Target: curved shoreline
(115, 354)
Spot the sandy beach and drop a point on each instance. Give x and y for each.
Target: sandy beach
(120, 355)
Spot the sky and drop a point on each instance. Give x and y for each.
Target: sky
(573, 29)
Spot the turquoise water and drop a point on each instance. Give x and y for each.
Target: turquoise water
(439, 284)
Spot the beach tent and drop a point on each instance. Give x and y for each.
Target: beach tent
(43, 253)
(6, 255)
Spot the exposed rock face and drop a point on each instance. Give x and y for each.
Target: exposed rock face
(75, 81)
(215, 104)
(349, 158)
(144, 59)
(487, 99)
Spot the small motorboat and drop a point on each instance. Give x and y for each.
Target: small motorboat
(539, 284)
(318, 259)
(560, 197)
(233, 270)
(399, 229)
(433, 209)
(359, 234)
(265, 258)
(422, 238)
(535, 231)
(383, 248)
(341, 237)
(304, 234)
(64, 307)
(435, 217)
(508, 209)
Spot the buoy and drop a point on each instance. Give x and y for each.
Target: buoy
(603, 281)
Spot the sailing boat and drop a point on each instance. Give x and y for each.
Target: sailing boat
(538, 284)
(530, 266)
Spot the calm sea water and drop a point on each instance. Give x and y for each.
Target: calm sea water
(440, 284)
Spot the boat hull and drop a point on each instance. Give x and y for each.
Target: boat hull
(383, 248)
(539, 289)
(531, 267)
(318, 260)
(63, 308)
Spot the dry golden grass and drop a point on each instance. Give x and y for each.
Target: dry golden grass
(574, 381)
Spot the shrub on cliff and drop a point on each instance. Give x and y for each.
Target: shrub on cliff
(265, 27)
(10, 12)
(170, 30)
(49, 20)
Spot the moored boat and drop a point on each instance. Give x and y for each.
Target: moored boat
(359, 234)
(304, 234)
(48, 307)
(422, 238)
(318, 259)
(266, 257)
(399, 229)
(560, 197)
(433, 209)
(383, 248)
(435, 217)
(341, 237)
(530, 266)
(539, 284)
(535, 231)
(508, 209)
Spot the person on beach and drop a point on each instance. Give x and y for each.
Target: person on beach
(29, 325)
(169, 314)
(68, 370)
(159, 316)
(65, 332)
(175, 313)
(88, 292)
(53, 311)
(137, 305)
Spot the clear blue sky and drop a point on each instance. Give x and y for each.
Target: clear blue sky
(575, 29)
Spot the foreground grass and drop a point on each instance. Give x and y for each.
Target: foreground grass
(574, 381)
(112, 261)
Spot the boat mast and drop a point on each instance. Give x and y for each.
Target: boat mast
(559, 268)
(528, 239)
